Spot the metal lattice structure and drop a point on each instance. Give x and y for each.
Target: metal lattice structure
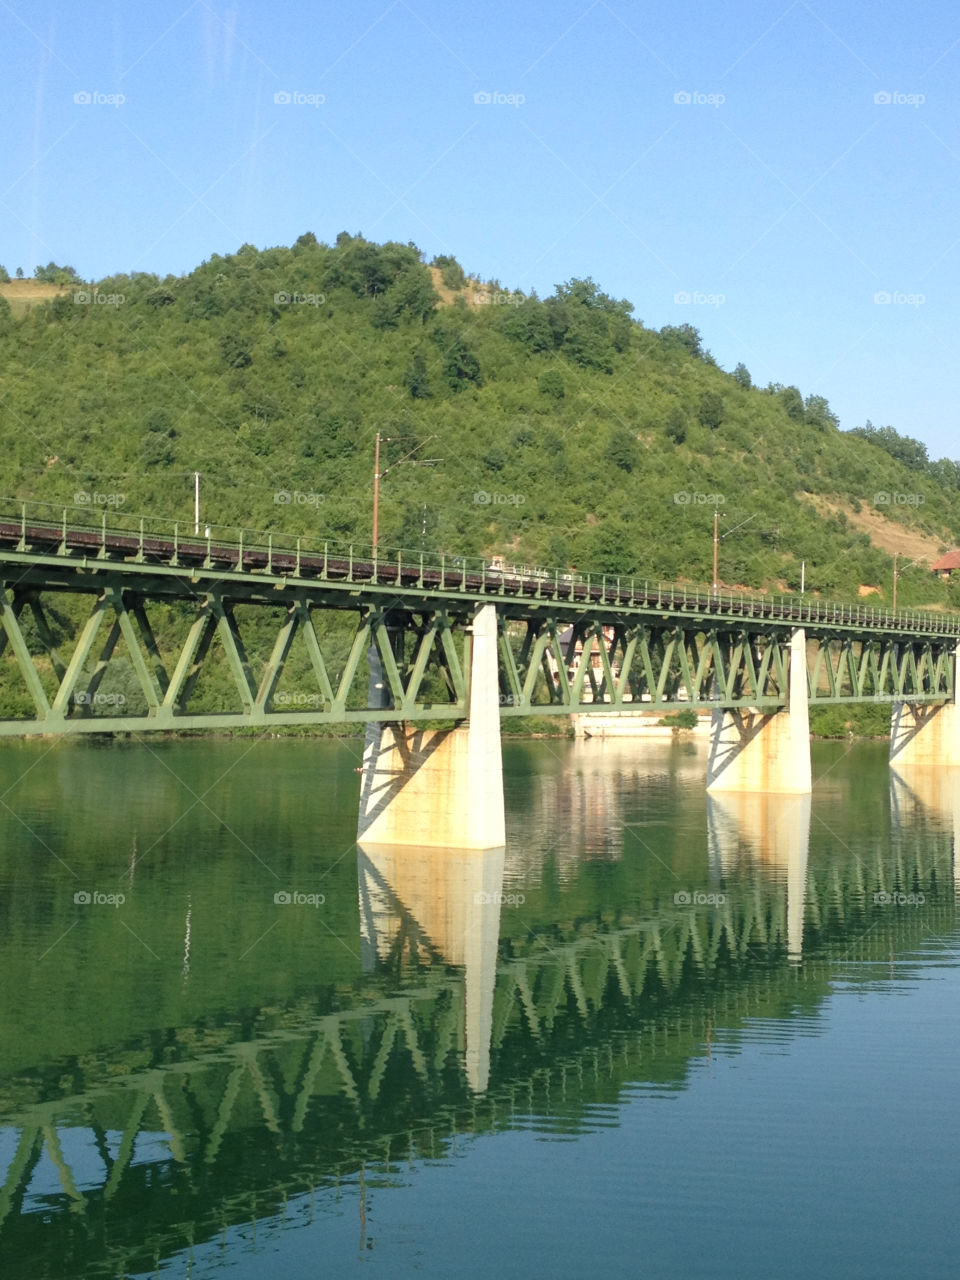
(568, 642)
(598, 665)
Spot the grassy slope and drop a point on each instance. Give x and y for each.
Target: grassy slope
(210, 372)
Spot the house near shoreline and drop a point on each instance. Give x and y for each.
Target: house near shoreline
(946, 564)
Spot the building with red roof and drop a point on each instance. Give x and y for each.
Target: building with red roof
(946, 564)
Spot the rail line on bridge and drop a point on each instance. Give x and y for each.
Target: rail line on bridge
(566, 642)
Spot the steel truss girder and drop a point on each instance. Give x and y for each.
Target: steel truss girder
(577, 662)
(605, 664)
(883, 670)
(409, 646)
(597, 665)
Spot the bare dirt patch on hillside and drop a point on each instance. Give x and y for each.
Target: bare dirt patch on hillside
(24, 294)
(885, 534)
(473, 293)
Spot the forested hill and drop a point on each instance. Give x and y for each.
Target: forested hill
(566, 432)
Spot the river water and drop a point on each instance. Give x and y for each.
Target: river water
(657, 1035)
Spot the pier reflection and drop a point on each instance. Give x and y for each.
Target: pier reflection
(923, 795)
(448, 993)
(420, 907)
(771, 832)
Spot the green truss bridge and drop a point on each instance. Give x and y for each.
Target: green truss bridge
(407, 640)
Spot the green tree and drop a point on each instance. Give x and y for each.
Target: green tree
(52, 274)
(610, 549)
(712, 410)
(529, 324)
(676, 425)
(817, 412)
(587, 293)
(587, 342)
(236, 351)
(912, 453)
(418, 384)
(622, 449)
(452, 275)
(410, 296)
(460, 366)
(550, 383)
(741, 374)
(681, 338)
(792, 401)
(205, 371)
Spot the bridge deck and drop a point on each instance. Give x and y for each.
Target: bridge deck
(152, 545)
(568, 642)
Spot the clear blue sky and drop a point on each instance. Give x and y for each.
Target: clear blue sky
(797, 198)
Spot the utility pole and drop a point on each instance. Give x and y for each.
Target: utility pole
(196, 502)
(717, 540)
(896, 574)
(376, 492)
(378, 475)
(803, 575)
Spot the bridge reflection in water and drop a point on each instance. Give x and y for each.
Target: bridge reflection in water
(479, 1003)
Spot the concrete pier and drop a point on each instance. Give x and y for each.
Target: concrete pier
(439, 788)
(757, 751)
(923, 733)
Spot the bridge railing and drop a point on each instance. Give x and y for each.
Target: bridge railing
(105, 527)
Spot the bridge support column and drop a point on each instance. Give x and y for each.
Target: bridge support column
(925, 733)
(439, 788)
(754, 751)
